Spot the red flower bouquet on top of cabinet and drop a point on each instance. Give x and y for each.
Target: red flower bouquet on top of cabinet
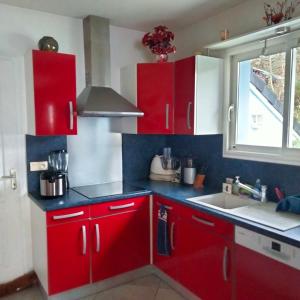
(159, 42)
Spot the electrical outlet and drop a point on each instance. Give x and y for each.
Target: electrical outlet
(38, 166)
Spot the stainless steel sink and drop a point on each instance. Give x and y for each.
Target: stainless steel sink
(223, 201)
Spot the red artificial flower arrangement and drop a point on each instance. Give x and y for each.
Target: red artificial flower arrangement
(159, 41)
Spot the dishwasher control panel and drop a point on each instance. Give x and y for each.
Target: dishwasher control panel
(277, 250)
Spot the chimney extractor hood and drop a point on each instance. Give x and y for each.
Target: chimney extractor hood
(98, 99)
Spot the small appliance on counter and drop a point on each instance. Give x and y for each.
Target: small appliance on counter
(54, 182)
(165, 167)
(189, 172)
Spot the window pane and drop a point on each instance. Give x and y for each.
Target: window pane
(294, 135)
(260, 101)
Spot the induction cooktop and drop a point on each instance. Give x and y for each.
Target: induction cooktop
(106, 189)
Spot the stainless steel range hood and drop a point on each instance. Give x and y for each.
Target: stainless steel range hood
(98, 99)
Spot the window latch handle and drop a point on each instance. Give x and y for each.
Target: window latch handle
(230, 109)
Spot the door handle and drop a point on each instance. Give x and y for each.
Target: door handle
(12, 177)
(172, 236)
(97, 238)
(188, 115)
(83, 228)
(205, 222)
(167, 115)
(61, 217)
(121, 206)
(225, 263)
(71, 110)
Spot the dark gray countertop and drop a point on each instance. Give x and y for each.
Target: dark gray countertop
(176, 192)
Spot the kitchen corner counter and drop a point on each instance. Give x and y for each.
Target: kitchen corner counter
(73, 198)
(180, 193)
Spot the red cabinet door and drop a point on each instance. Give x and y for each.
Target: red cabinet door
(120, 243)
(259, 277)
(204, 260)
(54, 80)
(184, 95)
(167, 264)
(155, 97)
(68, 256)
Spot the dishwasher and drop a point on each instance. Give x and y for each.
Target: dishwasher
(266, 269)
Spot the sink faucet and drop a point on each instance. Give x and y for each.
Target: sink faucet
(262, 194)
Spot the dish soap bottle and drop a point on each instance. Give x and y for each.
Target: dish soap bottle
(257, 187)
(235, 186)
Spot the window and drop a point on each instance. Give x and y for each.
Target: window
(264, 102)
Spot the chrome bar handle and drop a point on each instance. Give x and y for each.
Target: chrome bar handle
(68, 216)
(230, 109)
(121, 206)
(202, 221)
(188, 115)
(83, 240)
(12, 177)
(71, 110)
(167, 115)
(97, 238)
(172, 236)
(225, 263)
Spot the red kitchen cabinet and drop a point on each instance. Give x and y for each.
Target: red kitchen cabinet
(198, 95)
(185, 95)
(68, 256)
(155, 97)
(51, 93)
(120, 243)
(259, 277)
(204, 263)
(167, 264)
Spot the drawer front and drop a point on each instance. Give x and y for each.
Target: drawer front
(118, 206)
(68, 215)
(170, 205)
(210, 222)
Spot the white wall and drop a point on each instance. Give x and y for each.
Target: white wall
(240, 19)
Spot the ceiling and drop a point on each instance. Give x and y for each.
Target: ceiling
(135, 14)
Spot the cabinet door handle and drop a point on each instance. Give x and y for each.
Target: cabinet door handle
(188, 115)
(71, 110)
(167, 115)
(172, 236)
(202, 221)
(83, 240)
(225, 263)
(80, 213)
(230, 109)
(166, 206)
(121, 206)
(97, 238)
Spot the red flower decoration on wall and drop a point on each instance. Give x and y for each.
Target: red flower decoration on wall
(159, 41)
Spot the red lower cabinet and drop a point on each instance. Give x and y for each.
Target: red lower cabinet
(262, 278)
(68, 256)
(204, 264)
(168, 264)
(120, 243)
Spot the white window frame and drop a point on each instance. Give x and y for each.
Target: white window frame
(283, 155)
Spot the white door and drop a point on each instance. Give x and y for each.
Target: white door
(15, 239)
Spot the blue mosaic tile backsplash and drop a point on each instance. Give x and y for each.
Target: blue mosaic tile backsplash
(37, 149)
(138, 151)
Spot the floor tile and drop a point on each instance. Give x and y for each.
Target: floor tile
(151, 280)
(32, 293)
(168, 294)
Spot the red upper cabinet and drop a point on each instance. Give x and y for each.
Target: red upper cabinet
(155, 97)
(185, 95)
(51, 93)
(198, 95)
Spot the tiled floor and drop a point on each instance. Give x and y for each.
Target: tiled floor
(145, 288)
